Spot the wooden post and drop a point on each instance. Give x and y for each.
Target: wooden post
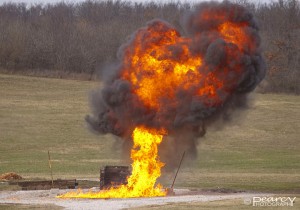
(177, 170)
(49, 161)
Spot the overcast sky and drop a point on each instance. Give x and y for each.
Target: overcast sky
(54, 1)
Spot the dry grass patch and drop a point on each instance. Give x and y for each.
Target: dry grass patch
(258, 150)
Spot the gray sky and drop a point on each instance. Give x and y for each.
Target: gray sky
(54, 1)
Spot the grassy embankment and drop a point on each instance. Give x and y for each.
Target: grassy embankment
(260, 152)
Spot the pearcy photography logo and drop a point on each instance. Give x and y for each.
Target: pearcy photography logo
(270, 201)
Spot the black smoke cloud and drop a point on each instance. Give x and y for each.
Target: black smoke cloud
(117, 110)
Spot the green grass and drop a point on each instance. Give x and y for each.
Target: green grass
(236, 204)
(37, 115)
(260, 150)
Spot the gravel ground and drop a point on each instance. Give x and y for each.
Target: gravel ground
(44, 197)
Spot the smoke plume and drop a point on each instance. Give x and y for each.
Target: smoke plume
(181, 83)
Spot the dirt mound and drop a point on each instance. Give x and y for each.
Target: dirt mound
(10, 176)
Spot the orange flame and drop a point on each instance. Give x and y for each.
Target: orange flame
(152, 69)
(157, 74)
(235, 33)
(145, 170)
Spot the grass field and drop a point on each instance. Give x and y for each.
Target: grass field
(235, 204)
(261, 152)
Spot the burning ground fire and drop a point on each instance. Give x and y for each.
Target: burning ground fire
(170, 84)
(145, 169)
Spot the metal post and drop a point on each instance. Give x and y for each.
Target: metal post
(49, 161)
(177, 170)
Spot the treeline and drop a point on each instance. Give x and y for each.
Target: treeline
(67, 39)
